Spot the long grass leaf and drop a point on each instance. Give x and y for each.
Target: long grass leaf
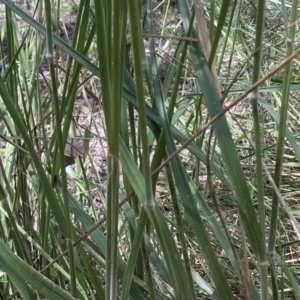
(229, 154)
(23, 276)
(51, 196)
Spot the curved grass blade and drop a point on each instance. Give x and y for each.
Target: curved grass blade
(99, 243)
(270, 109)
(180, 137)
(23, 275)
(229, 154)
(49, 192)
(134, 176)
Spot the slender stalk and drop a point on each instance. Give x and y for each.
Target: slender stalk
(66, 209)
(262, 259)
(117, 64)
(150, 207)
(282, 128)
(280, 142)
(140, 65)
(128, 274)
(178, 217)
(102, 11)
(110, 28)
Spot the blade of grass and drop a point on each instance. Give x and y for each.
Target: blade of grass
(61, 146)
(280, 144)
(231, 159)
(10, 263)
(229, 154)
(53, 201)
(158, 92)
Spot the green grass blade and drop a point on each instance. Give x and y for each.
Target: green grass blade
(23, 275)
(229, 154)
(51, 196)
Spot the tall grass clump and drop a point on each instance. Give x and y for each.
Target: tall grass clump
(149, 150)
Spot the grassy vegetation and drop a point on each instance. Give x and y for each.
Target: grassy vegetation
(149, 150)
